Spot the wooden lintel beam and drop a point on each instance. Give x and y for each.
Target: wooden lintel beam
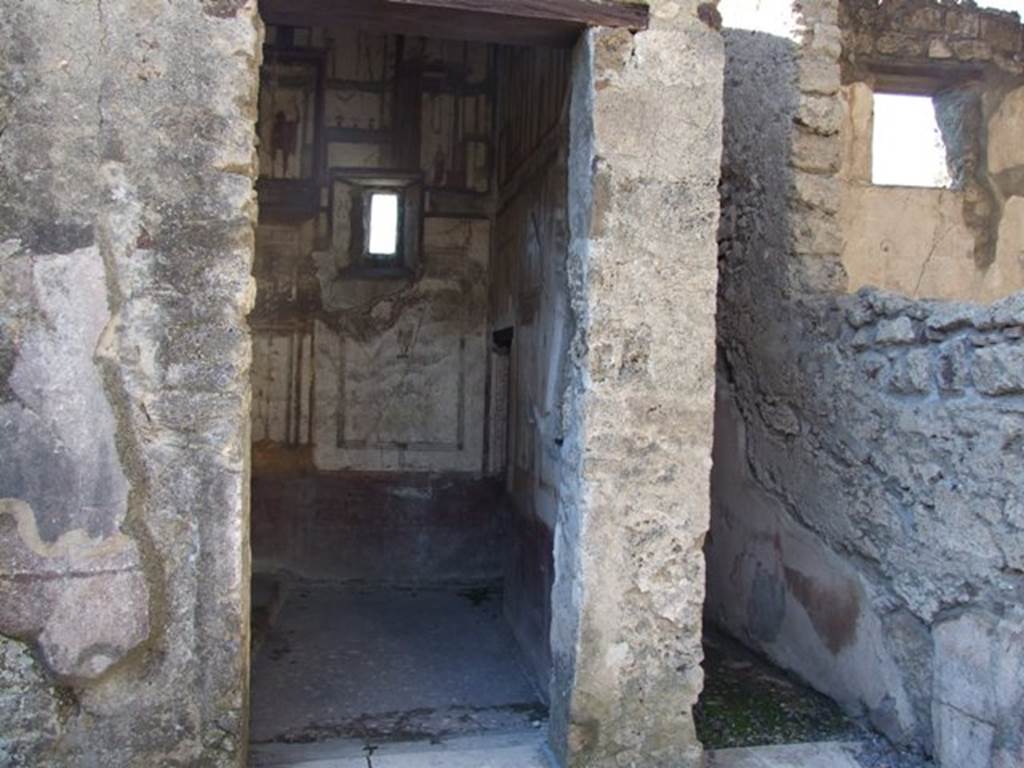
(435, 21)
(590, 13)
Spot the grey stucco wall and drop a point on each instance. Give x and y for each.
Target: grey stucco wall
(126, 237)
(645, 143)
(866, 504)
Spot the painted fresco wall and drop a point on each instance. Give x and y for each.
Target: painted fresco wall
(529, 295)
(379, 378)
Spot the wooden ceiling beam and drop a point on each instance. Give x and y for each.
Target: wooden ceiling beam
(552, 23)
(590, 13)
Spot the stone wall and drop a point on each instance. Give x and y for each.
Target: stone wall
(645, 137)
(126, 237)
(865, 507)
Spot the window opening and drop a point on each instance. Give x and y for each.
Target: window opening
(384, 223)
(907, 148)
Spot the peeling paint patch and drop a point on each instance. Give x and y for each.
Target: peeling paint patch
(833, 612)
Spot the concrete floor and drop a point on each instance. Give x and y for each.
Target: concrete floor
(381, 665)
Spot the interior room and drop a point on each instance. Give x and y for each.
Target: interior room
(408, 336)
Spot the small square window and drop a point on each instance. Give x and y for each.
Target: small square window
(383, 224)
(376, 223)
(907, 148)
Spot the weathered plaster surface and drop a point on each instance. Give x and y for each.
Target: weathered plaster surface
(643, 176)
(126, 167)
(914, 241)
(866, 511)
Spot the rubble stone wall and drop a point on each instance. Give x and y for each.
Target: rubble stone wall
(866, 510)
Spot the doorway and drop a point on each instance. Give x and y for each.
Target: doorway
(409, 333)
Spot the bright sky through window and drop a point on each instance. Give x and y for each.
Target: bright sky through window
(383, 224)
(906, 147)
(1004, 5)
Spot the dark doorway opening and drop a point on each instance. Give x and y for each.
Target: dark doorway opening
(409, 332)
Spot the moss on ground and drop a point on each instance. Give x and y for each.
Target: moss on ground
(747, 702)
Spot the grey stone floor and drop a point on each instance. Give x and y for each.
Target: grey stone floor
(383, 665)
(355, 677)
(521, 749)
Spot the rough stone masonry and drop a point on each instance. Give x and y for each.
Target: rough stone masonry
(126, 209)
(126, 229)
(867, 521)
(867, 508)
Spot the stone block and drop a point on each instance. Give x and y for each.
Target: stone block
(815, 232)
(821, 114)
(962, 23)
(1004, 35)
(814, 153)
(914, 375)
(951, 315)
(926, 20)
(999, 370)
(972, 50)
(897, 44)
(953, 367)
(899, 330)
(828, 40)
(1009, 311)
(939, 49)
(978, 690)
(961, 740)
(817, 191)
(819, 73)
